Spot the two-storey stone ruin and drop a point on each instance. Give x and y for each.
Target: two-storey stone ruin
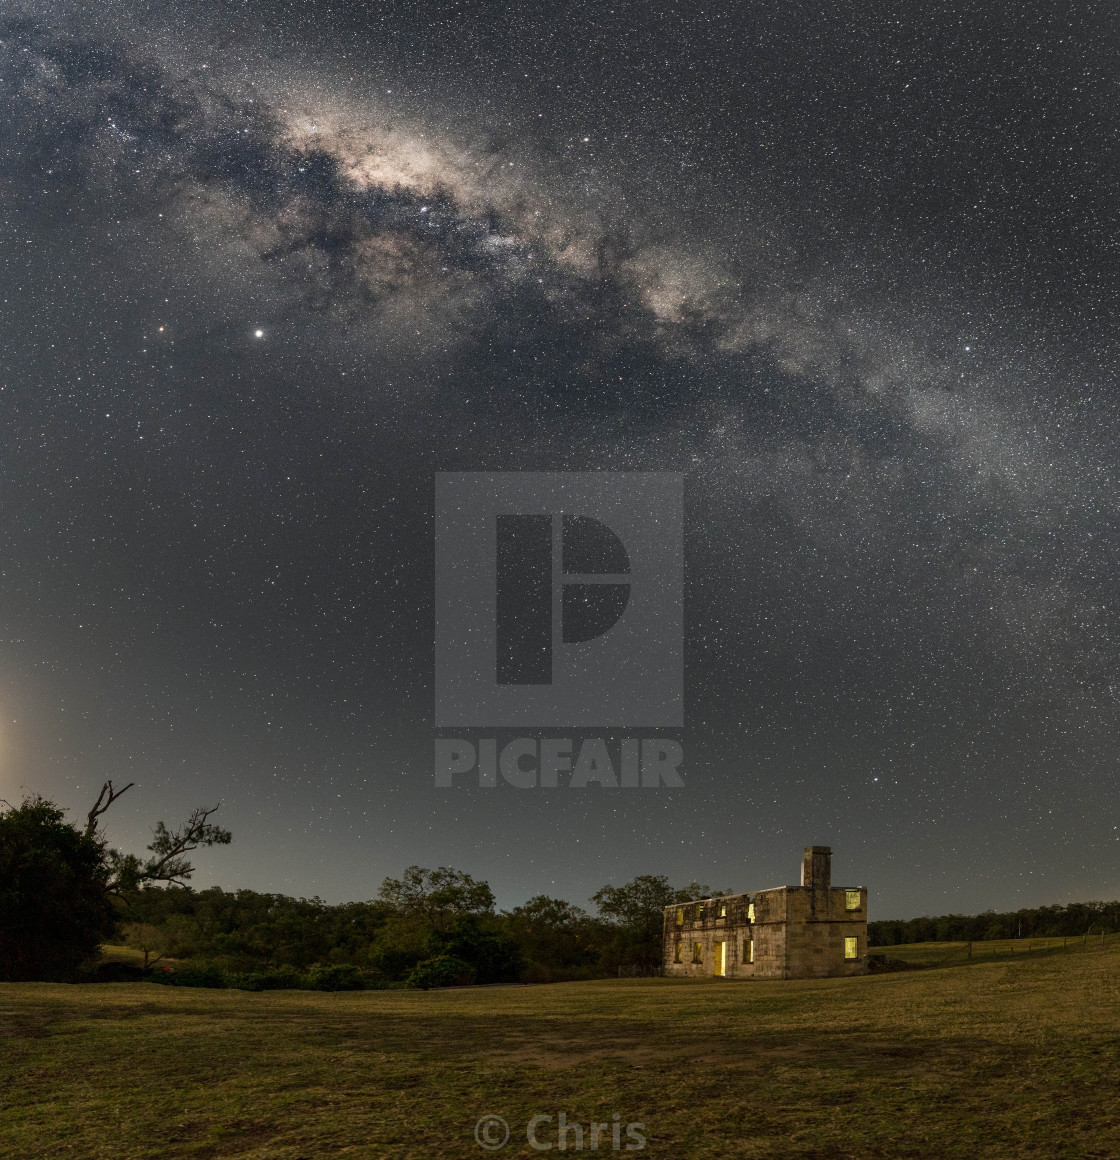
(788, 932)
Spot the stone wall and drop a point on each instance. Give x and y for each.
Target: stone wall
(795, 932)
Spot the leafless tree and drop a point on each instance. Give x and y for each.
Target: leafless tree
(105, 799)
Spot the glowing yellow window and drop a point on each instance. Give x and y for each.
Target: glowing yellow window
(720, 959)
(697, 952)
(698, 914)
(677, 951)
(723, 910)
(750, 912)
(851, 900)
(748, 950)
(851, 948)
(680, 916)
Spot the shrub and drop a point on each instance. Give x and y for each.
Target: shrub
(200, 976)
(494, 958)
(536, 973)
(394, 962)
(339, 977)
(441, 971)
(273, 979)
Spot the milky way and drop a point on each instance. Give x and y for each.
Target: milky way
(265, 273)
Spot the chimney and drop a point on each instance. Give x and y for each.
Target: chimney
(816, 874)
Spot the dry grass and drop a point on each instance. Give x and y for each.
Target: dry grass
(936, 954)
(1002, 1057)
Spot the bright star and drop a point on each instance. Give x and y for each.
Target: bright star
(259, 333)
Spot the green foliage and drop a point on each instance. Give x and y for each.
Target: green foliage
(558, 940)
(392, 961)
(275, 979)
(437, 896)
(55, 908)
(441, 971)
(245, 931)
(426, 914)
(493, 956)
(340, 977)
(636, 912)
(168, 939)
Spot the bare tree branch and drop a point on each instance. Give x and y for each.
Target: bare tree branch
(108, 795)
(170, 847)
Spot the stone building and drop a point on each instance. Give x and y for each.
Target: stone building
(788, 932)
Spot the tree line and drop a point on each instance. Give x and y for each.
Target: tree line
(1073, 919)
(64, 892)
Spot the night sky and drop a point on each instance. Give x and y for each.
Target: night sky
(854, 269)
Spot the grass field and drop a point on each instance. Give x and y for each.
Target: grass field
(937, 954)
(1008, 1056)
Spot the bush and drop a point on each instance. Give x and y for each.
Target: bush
(340, 977)
(394, 962)
(536, 973)
(200, 976)
(274, 979)
(494, 958)
(441, 971)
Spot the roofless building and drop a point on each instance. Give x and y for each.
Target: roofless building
(814, 930)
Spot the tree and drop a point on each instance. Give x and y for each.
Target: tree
(559, 940)
(495, 958)
(169, 848)
(171, 939)
(55, 907)
(437, 896)
(637, 911)
(58, 883)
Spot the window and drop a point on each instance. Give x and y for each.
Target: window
(851, 948)
(851, 900)
(677, 951)
(680, 916)
(748, 950)
(750, 912)
(722, 910)
(698, 914)
(697, 952)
